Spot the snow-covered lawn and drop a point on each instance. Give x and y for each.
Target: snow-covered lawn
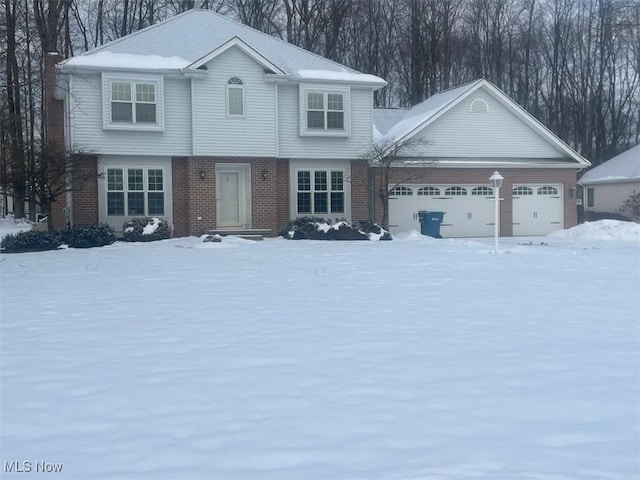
(416, 359)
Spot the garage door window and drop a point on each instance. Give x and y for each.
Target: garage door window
(547, 191)
(484, 191)
(401, 192)
(455, 191)
(429, 191)
(522, 191)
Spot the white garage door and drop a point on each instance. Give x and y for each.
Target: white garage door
(537, 209)
(469, 209)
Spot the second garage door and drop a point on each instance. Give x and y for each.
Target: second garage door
(537, 209)
(469, 209)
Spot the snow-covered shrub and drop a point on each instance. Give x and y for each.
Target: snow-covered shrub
(87, 236)
(146, 229)
(317, 228)
(31, 241)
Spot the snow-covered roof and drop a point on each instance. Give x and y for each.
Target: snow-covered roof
(390, 126)
(395, 124)
(621, 168)
(183, 41)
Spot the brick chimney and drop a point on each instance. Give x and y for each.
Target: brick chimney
(53, 109)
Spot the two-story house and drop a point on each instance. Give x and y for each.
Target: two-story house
(210, 124)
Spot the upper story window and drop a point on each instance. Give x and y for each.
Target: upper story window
(324, 111)
(132, 102)
(235, 97)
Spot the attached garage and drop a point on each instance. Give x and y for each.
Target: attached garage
(469, 209)
(446, 148)
(537, 209)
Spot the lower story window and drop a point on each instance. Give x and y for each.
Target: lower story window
(320, 191)
(135, 191)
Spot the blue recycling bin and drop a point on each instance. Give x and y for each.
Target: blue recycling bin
(430, 223)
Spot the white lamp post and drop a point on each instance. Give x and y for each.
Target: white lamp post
(496, 183)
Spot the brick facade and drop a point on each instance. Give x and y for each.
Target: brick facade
(435, 176)
(359, 178)
(194, 193)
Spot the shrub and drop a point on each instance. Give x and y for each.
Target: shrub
(86, 236)
(31, 241)
(631, 206)
(316, 228)
(146, 229)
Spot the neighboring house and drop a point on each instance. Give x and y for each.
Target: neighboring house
(213, 125)
(455, 141)
(607, 186)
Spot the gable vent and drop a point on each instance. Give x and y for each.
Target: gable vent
(479, 106)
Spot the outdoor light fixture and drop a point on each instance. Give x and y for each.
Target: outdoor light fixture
(572, 191)
(265, 174)
(203, 174)
(496, 182)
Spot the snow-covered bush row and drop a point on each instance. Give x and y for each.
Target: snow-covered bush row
(317, 228)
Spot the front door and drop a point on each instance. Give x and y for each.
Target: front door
(233, 199)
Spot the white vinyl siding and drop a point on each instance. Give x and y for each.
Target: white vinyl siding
(219, 132)
(88, 132)
(495, 133)
(358, 111)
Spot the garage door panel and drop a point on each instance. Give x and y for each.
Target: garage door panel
(468, 209)
(537, 209)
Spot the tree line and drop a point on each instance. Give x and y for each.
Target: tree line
(573, 64)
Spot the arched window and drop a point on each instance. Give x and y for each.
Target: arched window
(479, 106)
(428, 191)
(486, 191)
(547, 190)
(455, 191)
(401, 192)
(522, 191)
(235, 97)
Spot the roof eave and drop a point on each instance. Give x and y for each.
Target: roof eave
(90, 69)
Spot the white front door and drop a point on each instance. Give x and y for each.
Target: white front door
(233, 199)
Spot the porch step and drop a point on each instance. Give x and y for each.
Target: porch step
(255, 234)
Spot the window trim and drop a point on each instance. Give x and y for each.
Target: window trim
(108, 79)
(325, 90)
(238, 86)
(590, 199)
(145, 190)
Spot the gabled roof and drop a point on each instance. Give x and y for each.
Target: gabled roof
(423, 114)
(621, 168)
(188, 40)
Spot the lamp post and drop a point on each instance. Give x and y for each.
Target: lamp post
(496, 183)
